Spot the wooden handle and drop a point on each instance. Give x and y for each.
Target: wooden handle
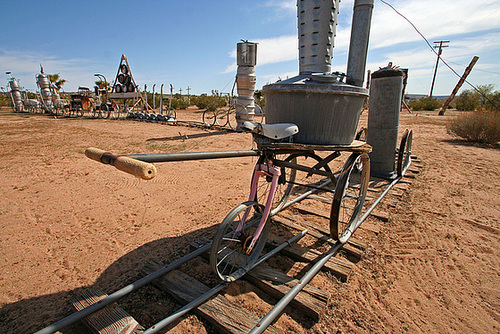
(138, 168)
(95, 153)
(141, 169)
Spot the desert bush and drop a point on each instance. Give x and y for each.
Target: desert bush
(426, 103)
(211, 102)
(468, 101)
(478, 126)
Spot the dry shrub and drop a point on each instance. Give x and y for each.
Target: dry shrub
(480, 127)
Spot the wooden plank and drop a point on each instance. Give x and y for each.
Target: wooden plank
(310, 301)
(355, 146)
(338, 267)
(109, 320)
(355, 252)
(218, 311)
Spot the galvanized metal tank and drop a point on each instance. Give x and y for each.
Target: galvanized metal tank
(16, 94)
(383, 120)
(327, 113)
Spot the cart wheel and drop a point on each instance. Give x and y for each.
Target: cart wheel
(230, 257)
(292, 182)
(232, 122)
(94, 113)
(209, 118)
(404, 153)
(259, 114)
(105, 112)
(349, 197)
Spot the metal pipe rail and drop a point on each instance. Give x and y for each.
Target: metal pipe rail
(170, 157)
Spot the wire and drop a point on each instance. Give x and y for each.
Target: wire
(432, 49)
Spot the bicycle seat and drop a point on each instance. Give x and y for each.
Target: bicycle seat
(272, 131)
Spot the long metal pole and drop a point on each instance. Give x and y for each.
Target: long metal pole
(169, 157)
(210, 293)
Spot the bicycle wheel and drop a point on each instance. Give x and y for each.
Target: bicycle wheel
(232, 122)
(209, 118)
(95, 112)
(349, 196)
(259, 114)
(230, 257)
(105, 112)
(404, 153)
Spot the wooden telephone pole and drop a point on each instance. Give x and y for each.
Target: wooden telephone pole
(438, 45)
(459, 84)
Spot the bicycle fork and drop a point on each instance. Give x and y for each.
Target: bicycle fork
(261, 170)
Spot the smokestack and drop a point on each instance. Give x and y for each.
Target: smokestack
(358, 47)
(317, 23)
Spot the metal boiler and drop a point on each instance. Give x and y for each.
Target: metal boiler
(15, 93)
(386, 90)
(325, 108)
(43, 84)
(246, 59)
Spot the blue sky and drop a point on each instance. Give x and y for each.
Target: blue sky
(192, 43)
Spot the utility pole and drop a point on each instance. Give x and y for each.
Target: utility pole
(437, 45)
(459, 84)
(189, 98)
(180, 92)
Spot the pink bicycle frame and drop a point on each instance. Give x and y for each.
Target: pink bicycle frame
(261, 170)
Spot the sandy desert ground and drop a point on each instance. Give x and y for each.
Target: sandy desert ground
(68, 223)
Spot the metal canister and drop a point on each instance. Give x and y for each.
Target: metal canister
(383, 120)
(44, 85)
(16, 95)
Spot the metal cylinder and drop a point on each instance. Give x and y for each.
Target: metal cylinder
(326, 113)
(16, 95)
(358, 47)
(317, 24)
(383, 120)
(44, 85)
(246, 55)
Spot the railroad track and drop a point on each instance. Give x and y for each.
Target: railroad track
(186, 284)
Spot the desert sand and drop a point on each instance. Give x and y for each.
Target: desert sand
(68, 223)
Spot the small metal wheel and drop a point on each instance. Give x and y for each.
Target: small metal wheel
(105, 112)
(209, 118)
(230, 255)
(95, 113)
(404, 153)
(232, 122)
(349, 196)
(259, 114)
(79, 112)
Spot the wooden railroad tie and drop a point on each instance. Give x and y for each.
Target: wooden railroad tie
(218, 311)
(109, 320)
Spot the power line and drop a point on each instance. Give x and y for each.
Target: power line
(432, 49)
